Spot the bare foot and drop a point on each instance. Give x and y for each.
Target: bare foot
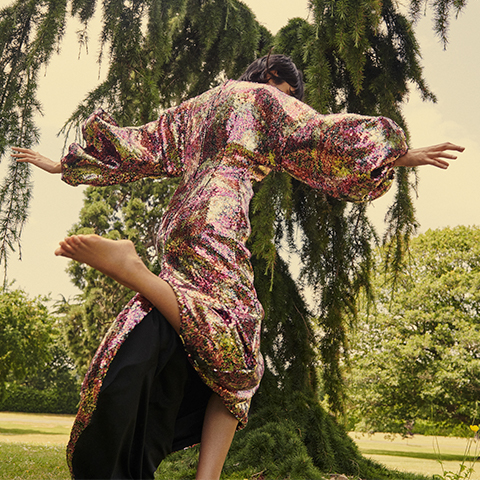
(115, 258)
(119, 260)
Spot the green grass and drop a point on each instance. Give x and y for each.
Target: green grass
(32, 447)
(420, 454)
(22, 461)
(27, 431)
(427, 456)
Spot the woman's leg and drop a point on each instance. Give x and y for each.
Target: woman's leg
(119, 260)
(218, 430)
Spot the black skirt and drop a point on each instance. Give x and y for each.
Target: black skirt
(151, 403)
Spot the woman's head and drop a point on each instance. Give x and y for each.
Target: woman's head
(275, 69)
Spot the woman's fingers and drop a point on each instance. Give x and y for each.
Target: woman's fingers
(443, 148)
(433, 155)
(23, 154)
(37, 159)
(451, 146)
(439, 152)
(438, 162)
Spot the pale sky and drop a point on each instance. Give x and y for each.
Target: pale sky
(446, 198)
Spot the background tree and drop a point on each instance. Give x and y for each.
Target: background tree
(36, 374)
(358, 58)
(29, 32)
(417, 355)
(336, 253)
(25, 328)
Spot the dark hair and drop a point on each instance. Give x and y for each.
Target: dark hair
(262, 70)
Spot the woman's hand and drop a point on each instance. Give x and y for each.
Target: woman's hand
(35, 158)
(433, 155)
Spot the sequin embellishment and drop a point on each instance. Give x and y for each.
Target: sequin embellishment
(218, 144)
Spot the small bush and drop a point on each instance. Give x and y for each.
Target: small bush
(441, 429)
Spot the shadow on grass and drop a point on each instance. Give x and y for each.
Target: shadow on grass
(22, 431)
(424, 455)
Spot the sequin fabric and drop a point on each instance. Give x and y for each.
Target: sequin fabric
(219, 143)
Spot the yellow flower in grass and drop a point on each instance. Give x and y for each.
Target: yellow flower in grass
(474, 428)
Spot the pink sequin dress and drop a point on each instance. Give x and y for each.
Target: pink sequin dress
(219, 143)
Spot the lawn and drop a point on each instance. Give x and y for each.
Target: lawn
(32, 447)
(416, 454)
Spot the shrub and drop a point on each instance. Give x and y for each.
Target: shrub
(21, 398)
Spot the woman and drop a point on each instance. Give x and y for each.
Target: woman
(218, 143)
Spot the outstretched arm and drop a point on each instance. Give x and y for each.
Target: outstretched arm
(347, 156)
(433, 155)
(35, 158)
(113, 154)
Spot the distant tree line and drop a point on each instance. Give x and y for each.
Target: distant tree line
(415, 354)
(36, 373)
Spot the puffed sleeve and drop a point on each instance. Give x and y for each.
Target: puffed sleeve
(347, 156)
(116, 154)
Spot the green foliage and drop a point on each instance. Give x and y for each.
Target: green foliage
(286, 405)
(36, 375)
(401, 225)
(442, 12)
(275, 449)
(437, 428)
(330, 449)
(161, 53)
(300, 442)
(287, 338)
(15, 194)
(25, 329)
(270, 211)
(360, 58)
(356, 57)
(336, 255)
(52, 388)
(417, 355)
(29, 34)
(22, 398)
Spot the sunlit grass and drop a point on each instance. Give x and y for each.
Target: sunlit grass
(415, 454)
(23, 461)
(31, 428)
(32, 447)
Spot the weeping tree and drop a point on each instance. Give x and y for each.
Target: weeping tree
(357, 57)
(29, 34)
